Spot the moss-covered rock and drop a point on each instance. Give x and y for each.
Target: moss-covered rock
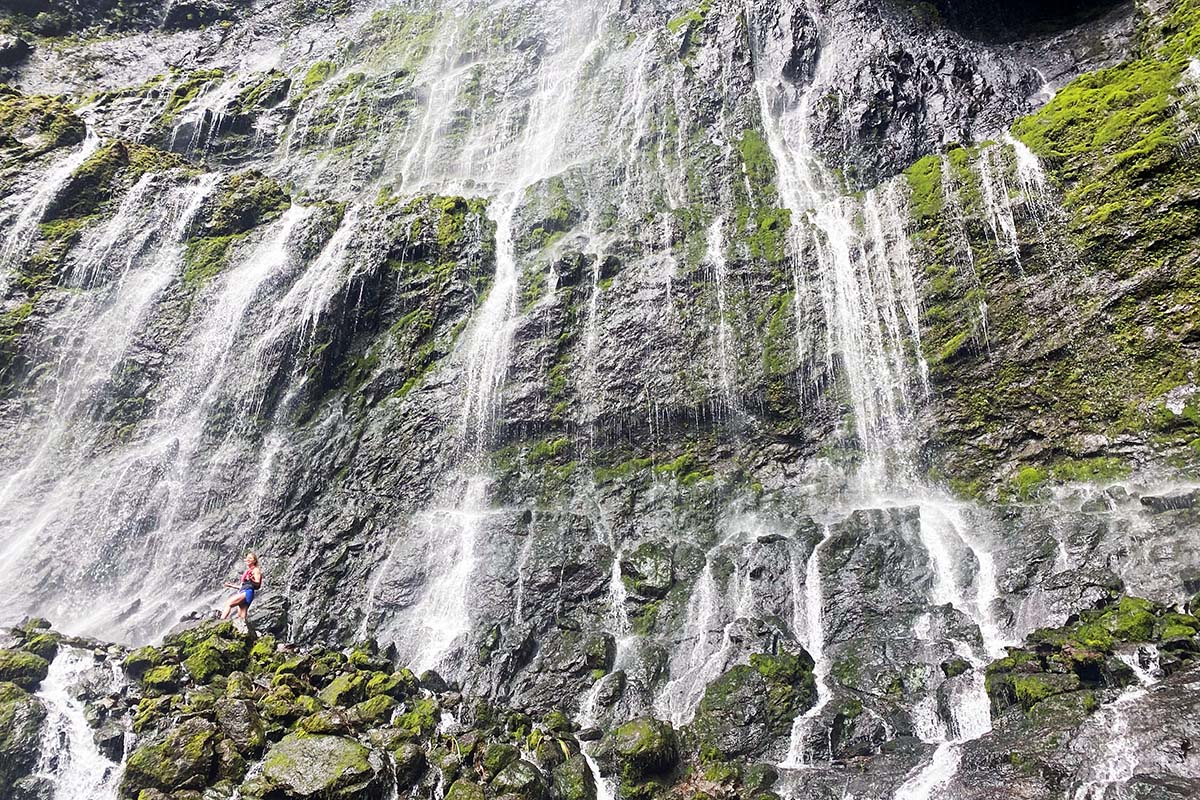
(113, 168)
(573, 779)
(327, 720)
(163, 679)
(495, 757)
(139, 661)
(409, 759)
(185, 758)
(344, 690)
(376, 709)
(238, 719)
(151, 711)
(520, 779)
(40, 123)
(649, 569)
(463, 789)
(645, 747)
(420, 717)
(1079, 656)
(43, 644)
(319, 766)
(21, 717)
(205, 657)
(241, 202)
(279, 705)
(754, 704)
(24, 669)
(396, 685)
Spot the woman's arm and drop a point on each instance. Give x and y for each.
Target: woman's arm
(258, 578)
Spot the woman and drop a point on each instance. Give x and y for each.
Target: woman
(252, 580)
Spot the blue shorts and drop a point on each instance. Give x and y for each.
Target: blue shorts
(249, 595)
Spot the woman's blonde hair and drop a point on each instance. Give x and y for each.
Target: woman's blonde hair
(252, 557)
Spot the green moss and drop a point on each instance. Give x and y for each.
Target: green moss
(1089, 470)
(623, 470)
(420, 717)
(759, 219)
(204, 259)
(162, 679)
(44, 123)
(214, 655)
(689, 24)
(1131, 621)
(344, 689)
(1095, 636)
(242, 202)
(24, 669)
(150, 710)
(927, 200)
(496, 757)
(186, 89)
(375, 709)
(1027, 482)
(1113, 143)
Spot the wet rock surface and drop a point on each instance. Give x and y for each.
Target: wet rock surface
(750, 374)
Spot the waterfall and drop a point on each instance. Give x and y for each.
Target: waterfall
(725, 363)
(70, 763)
(799, 755)
(706, 646)
(101, 326)
(33, 208)
(869, 297)
(367, 394)
(866, 286)
(1121, 752)
(443, 617)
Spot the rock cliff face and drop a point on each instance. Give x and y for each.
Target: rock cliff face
(737, 379)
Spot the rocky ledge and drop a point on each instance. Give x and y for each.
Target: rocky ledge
(217, 712)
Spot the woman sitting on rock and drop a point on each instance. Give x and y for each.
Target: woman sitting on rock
(252, 580)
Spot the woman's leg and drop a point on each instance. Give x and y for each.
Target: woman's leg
(231, 603)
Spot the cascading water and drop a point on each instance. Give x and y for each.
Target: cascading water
(871, 311)
(33, 208)
(426, 421)
(799, 753)
(71, 764)
(1120, 759)
(442, 617)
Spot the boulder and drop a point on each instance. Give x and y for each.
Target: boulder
(344, 690)
(240, 722)
(521, 779)
(649, 570)
(21, 717)
(269, 614)
(185, 758)
(13, 50)
(573, 779)
(497, 756)
(24, 669)
(321, 766)
(646, 746)
(409, 759)
(137, 663)
(753, 705)
(463, 789)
